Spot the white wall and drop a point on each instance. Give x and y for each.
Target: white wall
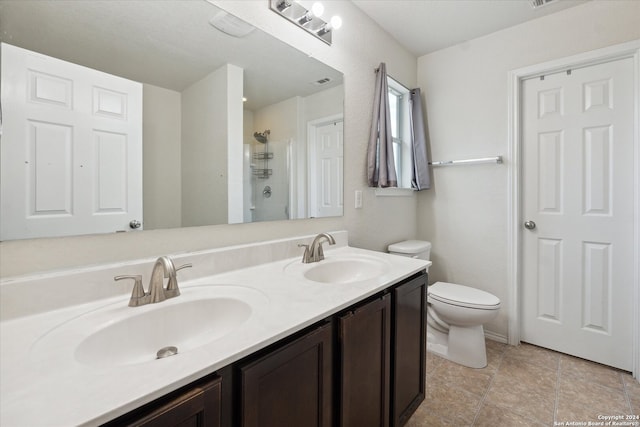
(235, 132)
(358, 47)
(161, 157)
(465, 87)
(211, 121)
(323, 104)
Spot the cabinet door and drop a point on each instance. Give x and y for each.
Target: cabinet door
(365, 345)
(197, 407)
(291, 386)
(409, 352)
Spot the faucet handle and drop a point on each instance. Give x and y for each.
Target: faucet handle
(138, 294)
(172, 286)
(189, 265)
(306, 257)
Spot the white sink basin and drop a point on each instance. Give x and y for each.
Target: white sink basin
(341, 269)
(120, 335)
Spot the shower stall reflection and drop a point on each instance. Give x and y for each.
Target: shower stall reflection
(267, 189)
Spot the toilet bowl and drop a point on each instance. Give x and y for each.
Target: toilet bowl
(455, 313)
(455, 318)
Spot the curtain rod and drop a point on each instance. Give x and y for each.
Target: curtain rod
(375, 70)
(495, 159)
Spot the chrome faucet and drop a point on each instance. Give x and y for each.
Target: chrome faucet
(314, 252)
(163, 268)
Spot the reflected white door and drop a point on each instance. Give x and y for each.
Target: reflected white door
(71, 148)
(578, 201)
(326, 171)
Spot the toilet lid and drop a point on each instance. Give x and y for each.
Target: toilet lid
(465, 296)
(409, 247)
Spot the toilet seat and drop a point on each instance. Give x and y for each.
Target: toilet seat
(463, 296)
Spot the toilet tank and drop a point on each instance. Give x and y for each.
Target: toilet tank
(420, 249)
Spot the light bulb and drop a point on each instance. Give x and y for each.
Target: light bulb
(336, 22)
(318, 9)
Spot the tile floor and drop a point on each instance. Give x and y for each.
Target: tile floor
(524, 386)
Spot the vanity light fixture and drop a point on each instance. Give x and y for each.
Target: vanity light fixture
(334, 24)
(305, 19)
(308, 20)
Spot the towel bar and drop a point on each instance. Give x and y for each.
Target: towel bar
(495, 159)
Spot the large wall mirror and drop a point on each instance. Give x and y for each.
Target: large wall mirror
(234, 125)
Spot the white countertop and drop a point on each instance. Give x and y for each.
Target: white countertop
(41, 387)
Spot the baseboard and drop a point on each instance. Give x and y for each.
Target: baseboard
(496, 337)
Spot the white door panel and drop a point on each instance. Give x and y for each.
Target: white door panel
(578, 189)
(71, 148)
(326, 174)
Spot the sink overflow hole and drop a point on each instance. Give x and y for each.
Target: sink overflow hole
(166, 352)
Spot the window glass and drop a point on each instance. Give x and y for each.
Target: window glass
(393, 112)
(398, 111)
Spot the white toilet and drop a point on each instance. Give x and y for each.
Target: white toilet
(455, 314)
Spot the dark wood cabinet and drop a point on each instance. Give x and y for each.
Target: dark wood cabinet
(198, 405)
(409, 349)
(292, 385)
(365, 356)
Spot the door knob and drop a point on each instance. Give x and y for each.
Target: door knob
(529, 225)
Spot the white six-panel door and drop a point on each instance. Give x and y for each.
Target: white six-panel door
(578, 169)
(326, 172)
(71, 148)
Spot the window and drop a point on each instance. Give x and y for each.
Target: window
(400, 131)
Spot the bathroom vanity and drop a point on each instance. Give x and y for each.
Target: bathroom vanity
(361, 366)
(336, 342)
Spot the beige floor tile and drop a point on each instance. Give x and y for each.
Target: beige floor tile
(531, 397)
(451, 403)
(530, 375)
(494, 359)
(534, 355)
(495, 353)
(632, 388)
(577, 368)
(525, 386)
(497, 346)
(600, 399)
(569, 410)
(423, 417)
(635, 406)
(631, 385)
(433, 361)
(475, 381)
(492, 416)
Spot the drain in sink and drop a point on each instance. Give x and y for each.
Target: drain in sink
(166, 352)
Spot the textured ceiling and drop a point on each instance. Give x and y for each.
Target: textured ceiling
(424, 26)
(167, 43)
